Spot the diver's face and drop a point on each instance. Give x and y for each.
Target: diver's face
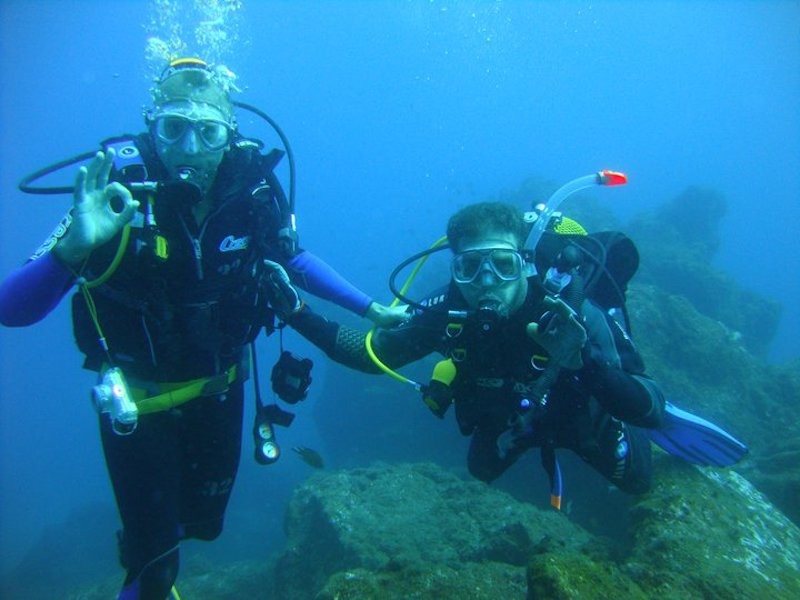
(490, 273)
(190, 139)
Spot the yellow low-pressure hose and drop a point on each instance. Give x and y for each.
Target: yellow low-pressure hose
(123, 243)
(368, 341)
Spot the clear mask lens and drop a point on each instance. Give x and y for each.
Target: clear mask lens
(212, 133)
(505, 263)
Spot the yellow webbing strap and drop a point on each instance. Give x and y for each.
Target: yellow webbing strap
(178, 393)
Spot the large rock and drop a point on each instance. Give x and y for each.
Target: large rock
(563, 576)
(476, 581)
(708, 533)
(415, 531)
(401, 531)
(678, 242)
(700, 533)
(411, 523)
(702, 367)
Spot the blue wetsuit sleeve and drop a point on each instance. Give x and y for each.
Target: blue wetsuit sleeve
(30, 292)
(316, 276)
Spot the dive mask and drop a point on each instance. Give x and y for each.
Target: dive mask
(506, 264)
(171, 127)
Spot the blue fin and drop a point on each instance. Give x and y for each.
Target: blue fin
(696, 440)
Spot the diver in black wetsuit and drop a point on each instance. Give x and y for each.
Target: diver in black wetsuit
(526, 366)
(174, 239)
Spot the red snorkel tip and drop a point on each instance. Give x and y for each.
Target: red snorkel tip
(607, 177)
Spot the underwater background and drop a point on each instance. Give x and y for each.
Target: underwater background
(398, 113)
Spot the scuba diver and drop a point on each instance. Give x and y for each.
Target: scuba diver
(179, 240)
(537, 351)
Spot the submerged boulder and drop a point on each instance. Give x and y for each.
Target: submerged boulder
(562, 576)
(400, 531)
(477, 581)
(408, 523)
(678, 242)
(708, 533)
(702, 367)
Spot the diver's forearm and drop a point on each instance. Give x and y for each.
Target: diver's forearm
(29, 293)
(318, 277)
(342, 344)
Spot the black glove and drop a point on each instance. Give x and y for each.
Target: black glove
(283, 297)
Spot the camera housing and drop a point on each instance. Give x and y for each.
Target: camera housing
(112, 396)
(291, 377)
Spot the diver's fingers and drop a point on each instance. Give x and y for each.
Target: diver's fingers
(79, 191)
(105, 168)
(92, 171)
(129, 205)
(559, 306)
(117, 190)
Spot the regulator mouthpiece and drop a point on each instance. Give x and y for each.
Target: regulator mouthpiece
(187, 174)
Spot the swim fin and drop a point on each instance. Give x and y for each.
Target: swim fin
(696, 440)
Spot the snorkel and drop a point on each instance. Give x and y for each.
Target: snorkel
(558, 276)
(605, 177)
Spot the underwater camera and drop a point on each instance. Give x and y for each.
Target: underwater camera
(291, 377)
(112, 396)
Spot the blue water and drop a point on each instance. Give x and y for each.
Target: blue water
(398, 113)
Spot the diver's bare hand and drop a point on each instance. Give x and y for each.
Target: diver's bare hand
(562, 335)
(387, 316)
(99, 210)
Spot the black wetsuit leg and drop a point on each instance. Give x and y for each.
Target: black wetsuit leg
(483, 458)
(618, 451)
(172, 479)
